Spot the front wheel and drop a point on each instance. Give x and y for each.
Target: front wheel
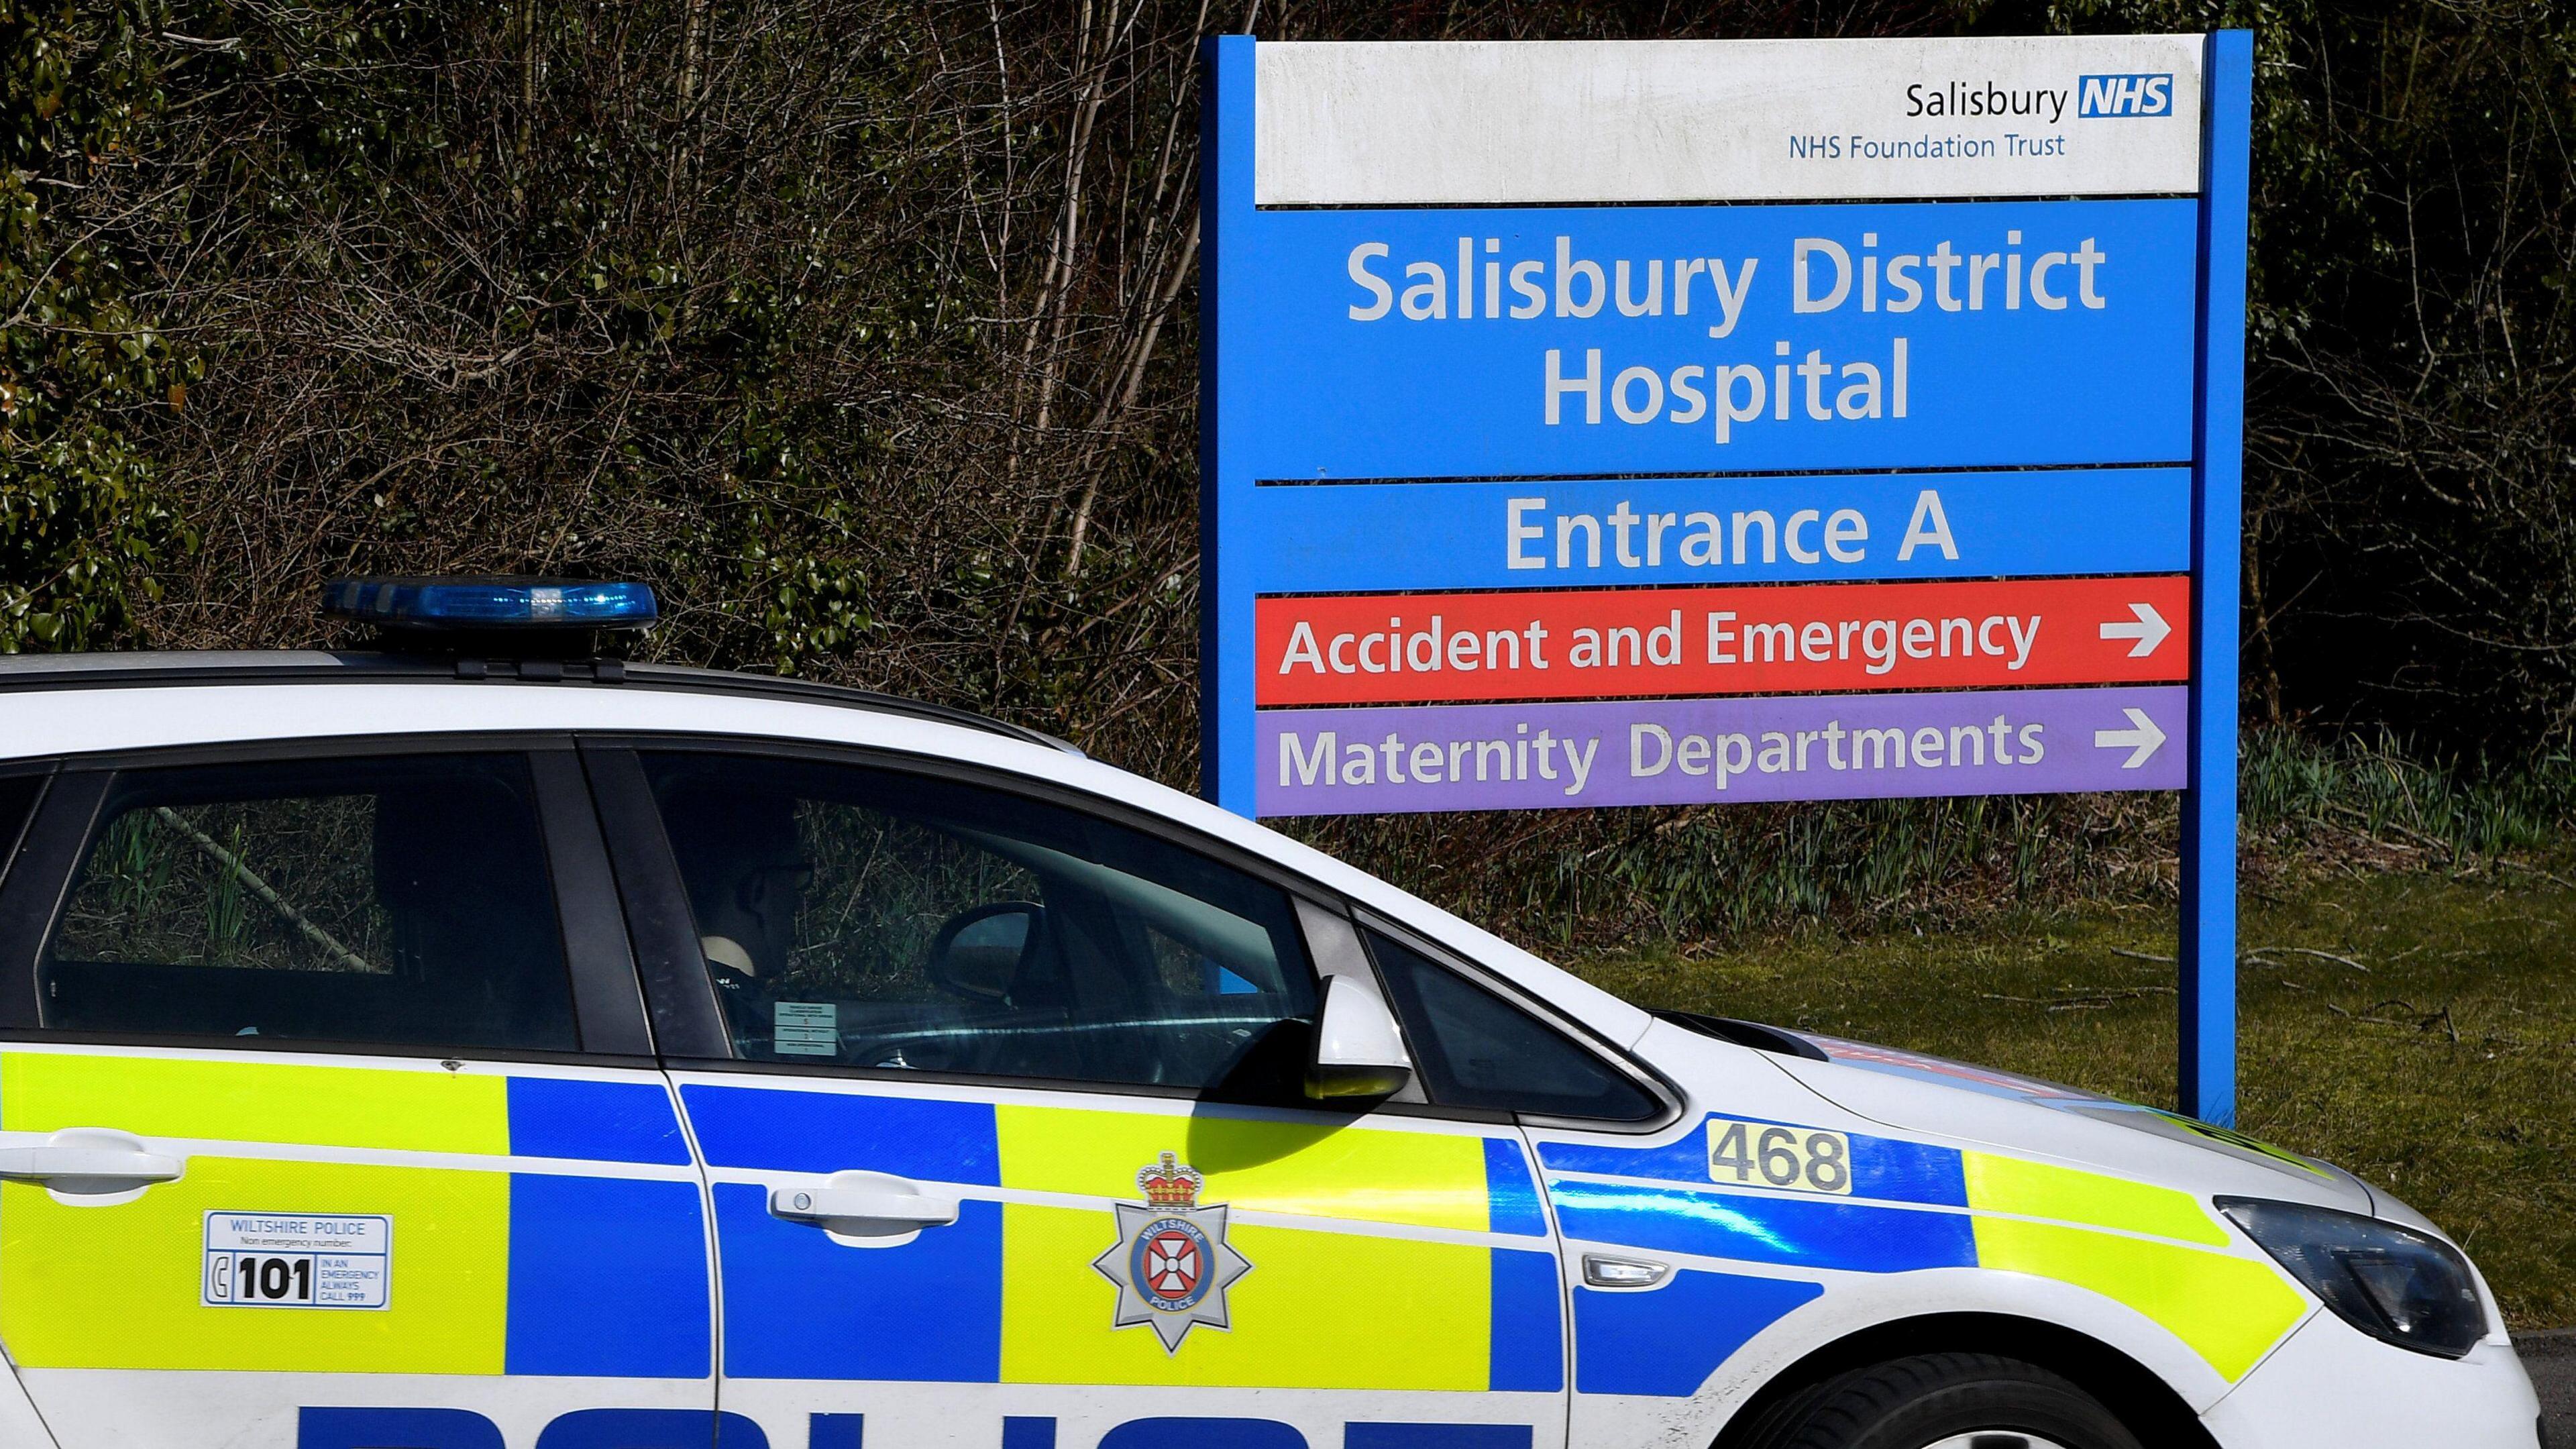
(1944, 1401)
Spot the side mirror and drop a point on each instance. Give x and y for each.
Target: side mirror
(1358, 1050)
(977, 954)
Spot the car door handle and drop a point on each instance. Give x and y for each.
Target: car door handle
(89, 1160)
(864, 1205)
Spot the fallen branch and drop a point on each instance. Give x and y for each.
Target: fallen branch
(2081, 1001)
(240, 870)
(2258, 952)
(2549, 876)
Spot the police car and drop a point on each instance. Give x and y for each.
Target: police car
(488, 1043)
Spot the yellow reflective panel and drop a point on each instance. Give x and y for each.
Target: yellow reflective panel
(1428, 1308)
(1315, 1168)
(257, 1101)
(2229, 1310)
(120, 1287)
(2038, 1190)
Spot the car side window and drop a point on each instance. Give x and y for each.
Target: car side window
(18, 796)
(873, 918)
(399, 901)
(1474, 1049)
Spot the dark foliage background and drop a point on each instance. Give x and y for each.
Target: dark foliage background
(865, 331)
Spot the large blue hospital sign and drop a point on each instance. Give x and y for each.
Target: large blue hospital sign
(1540, 380)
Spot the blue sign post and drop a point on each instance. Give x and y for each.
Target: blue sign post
(1506, 333)
(2207, 1070)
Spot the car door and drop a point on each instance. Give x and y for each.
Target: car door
(999, 1094)
(328, 1114)
(1642, 1329)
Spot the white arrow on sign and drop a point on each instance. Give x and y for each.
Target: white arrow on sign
(2140, 742)
(2150, 630)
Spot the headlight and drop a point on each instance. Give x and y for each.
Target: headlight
(2390, 1282)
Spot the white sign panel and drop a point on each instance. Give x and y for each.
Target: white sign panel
(1433, 124)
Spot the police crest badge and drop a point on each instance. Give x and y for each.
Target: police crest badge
(1171, 1262)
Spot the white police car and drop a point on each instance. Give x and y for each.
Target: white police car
(483, 1044)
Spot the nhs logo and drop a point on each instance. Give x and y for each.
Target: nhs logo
(2124, 95)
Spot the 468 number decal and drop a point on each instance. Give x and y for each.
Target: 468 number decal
(1798, 1159)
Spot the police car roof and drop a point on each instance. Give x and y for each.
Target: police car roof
(304, 666)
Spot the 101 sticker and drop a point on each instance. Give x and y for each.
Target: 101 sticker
(297, 1260)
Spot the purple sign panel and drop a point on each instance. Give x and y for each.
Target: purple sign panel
(1393, 759)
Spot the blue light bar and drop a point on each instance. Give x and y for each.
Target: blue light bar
(474, 604)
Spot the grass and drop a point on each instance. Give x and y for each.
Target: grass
(1580, 881)
(2294, 790)
(2416, 1028)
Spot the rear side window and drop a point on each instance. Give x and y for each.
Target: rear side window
(401, 901)
(17, 801)
(1474, 1049)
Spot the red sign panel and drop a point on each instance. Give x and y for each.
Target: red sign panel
(1791, 639)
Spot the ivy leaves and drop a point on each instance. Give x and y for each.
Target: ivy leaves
(82, 519)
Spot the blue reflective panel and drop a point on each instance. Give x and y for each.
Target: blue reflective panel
(607, 1278)
(1668, 1340)
(783, 1130)
(489, 603)
(798, 1305)
(1511, 1194)
(600, 1121)
(1757, 1228)
(1528, 1339)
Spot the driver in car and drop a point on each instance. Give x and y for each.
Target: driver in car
(746, 873)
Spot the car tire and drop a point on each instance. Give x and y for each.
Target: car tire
(1943, 1401)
